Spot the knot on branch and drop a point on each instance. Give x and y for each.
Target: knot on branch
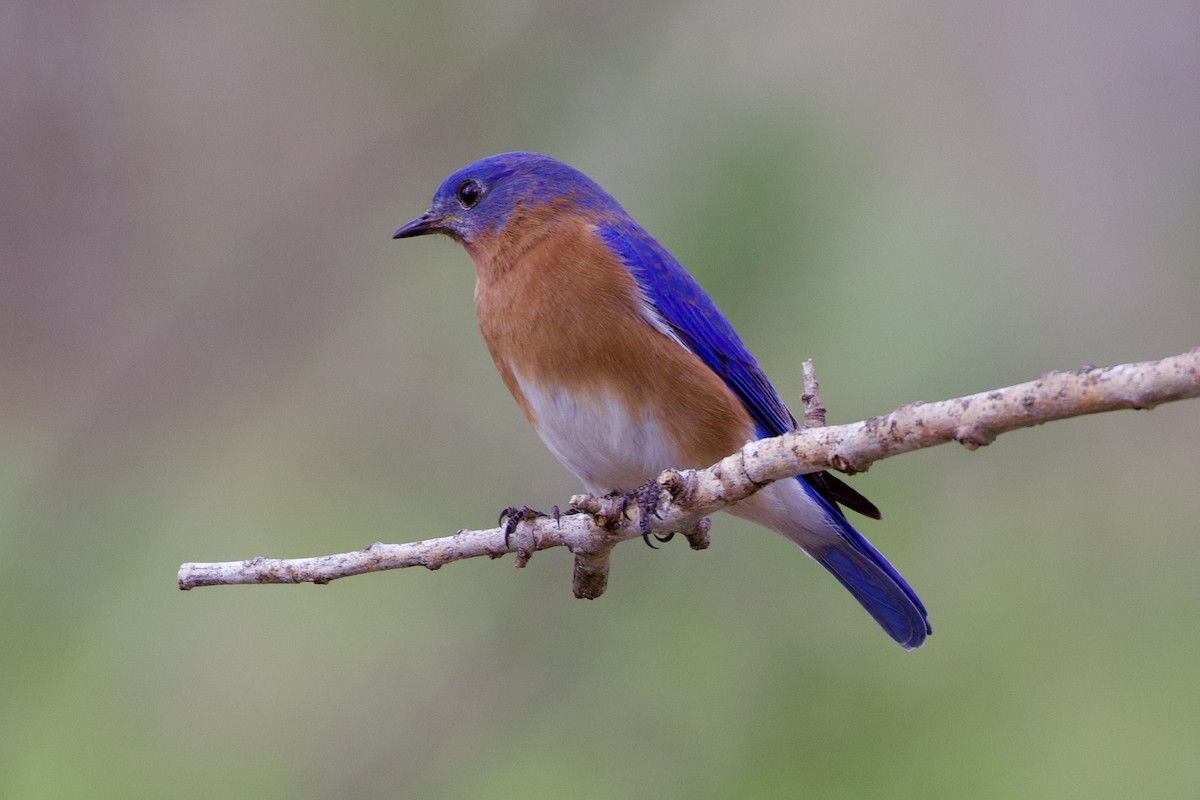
(843, 464)
(749, 458)
(607, 512)
(698, 536)
(680, 484)
(973, 437)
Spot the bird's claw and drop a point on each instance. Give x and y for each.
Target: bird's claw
(646, 497)
(513, 516)
(557, 515)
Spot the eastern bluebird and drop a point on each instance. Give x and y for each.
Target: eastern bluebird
(625, 367)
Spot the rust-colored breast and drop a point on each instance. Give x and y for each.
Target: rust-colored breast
(557, 307)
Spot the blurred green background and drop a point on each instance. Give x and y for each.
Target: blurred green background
(210, 349)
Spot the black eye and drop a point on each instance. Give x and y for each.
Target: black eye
(469, 192)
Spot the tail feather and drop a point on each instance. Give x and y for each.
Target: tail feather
(874, 582)
(798, 510)
(891, 603)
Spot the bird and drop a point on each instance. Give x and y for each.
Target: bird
(624, 365)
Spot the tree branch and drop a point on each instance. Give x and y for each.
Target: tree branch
(597, 524)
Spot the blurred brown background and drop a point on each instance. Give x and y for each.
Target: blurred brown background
(210, 348)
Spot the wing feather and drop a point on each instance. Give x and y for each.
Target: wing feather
(696, 323)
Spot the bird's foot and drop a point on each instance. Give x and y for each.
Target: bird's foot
(513, 516)
(646, 498)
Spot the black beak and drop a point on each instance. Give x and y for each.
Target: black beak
(426, 223)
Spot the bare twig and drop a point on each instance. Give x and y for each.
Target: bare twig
(689, 496)
(814, 412)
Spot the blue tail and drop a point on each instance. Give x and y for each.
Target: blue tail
(874, 582)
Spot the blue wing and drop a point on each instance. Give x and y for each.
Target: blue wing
(694, 318)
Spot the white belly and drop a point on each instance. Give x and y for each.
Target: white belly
(609, 448)
(598, 438)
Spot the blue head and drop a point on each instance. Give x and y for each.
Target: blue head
(477, 200)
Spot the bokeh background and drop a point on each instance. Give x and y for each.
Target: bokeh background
(210, 349)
